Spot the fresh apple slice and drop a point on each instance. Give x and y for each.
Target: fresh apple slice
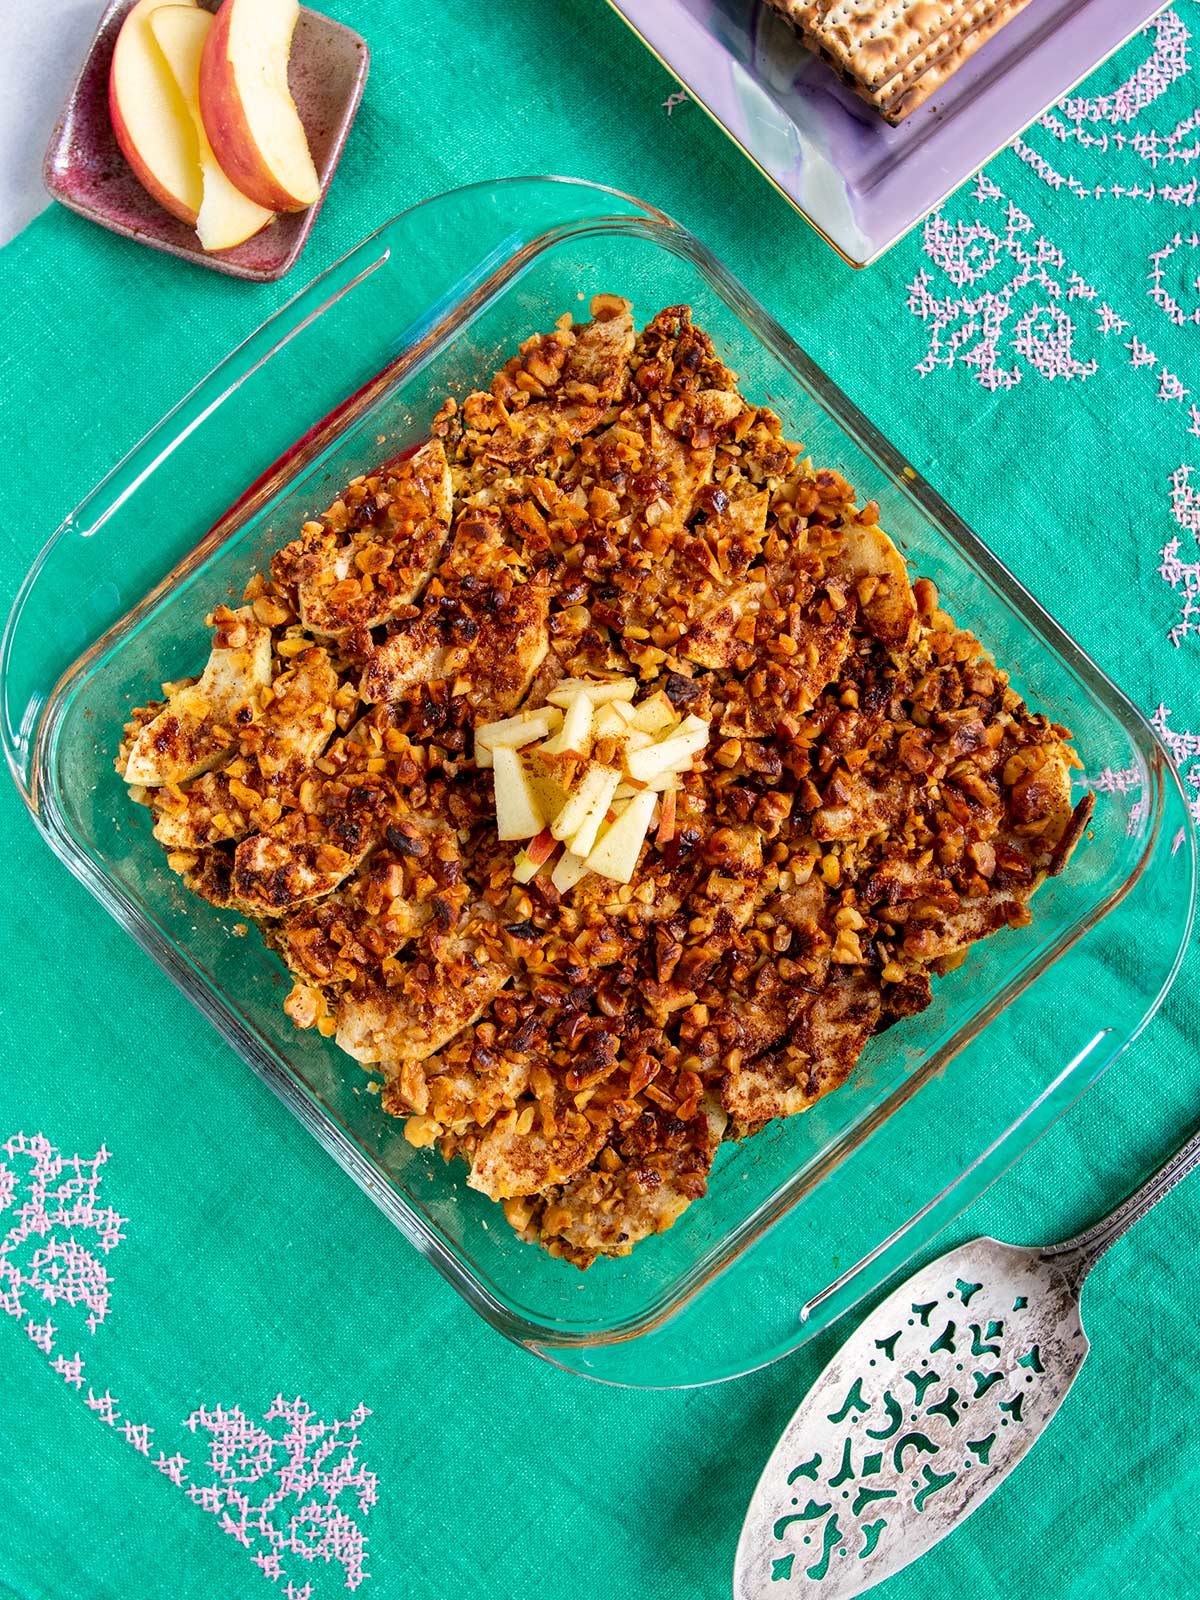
(549, 794)
(151, 120)
(661, 783)
(226, 216)
(518, 815)
(673, 754)
(533, 858)
(568, 871)
(598, 690)
(616, 855)
(248, 109)
(595, 789)
(588, 831)
(655, 714)
(516, 732)
(608, 723)
(574, 738)
(666, 820)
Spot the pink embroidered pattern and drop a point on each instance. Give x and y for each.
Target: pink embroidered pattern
(1165, 65)
(1183, 576)
(1159, 293)
(1076, 118)
(1123, 782)
(55, 1202)
(286, 1490)
(1185, 752)
(978, 330)
(292, 1486)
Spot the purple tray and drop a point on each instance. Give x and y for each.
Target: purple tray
(860, 182)
(85, 170)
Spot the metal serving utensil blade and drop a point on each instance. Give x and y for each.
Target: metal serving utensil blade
(926, 1409)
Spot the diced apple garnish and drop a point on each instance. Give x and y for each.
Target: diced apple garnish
(588, 830)
(518, 815)
(616, 854)
(655, 714)
(533, 858)
(666, 820)
(608, 723)
(567, 871)
(663, 784)
(549, 794)
(595, 791)
(598, 690)
(574, 738)
(515, 732)
(673, 754)
(551, 790)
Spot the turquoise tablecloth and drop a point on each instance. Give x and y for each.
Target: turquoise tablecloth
(242, 1315)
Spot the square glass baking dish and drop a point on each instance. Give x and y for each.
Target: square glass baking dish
(812, 1214)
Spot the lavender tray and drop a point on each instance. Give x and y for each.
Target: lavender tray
(861, 183)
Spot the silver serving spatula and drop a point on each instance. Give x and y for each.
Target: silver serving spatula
(925, 1410)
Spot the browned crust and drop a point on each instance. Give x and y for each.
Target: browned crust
(874, 798)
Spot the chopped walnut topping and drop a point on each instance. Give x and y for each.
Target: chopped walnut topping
(854, 795)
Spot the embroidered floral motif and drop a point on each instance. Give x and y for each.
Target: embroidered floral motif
(304, 1476)
(54, 1202)
(1183, 576)
(1185, 752)
(978, 330)
(289, 1488)
(1097, 123)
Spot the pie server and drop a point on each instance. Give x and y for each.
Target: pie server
(926, 1409)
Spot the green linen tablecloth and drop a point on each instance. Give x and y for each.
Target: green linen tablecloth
(254, 1323)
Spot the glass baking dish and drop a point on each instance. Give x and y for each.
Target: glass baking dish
(814, 1213)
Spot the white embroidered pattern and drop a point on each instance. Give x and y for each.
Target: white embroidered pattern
(978, 321)
(1095, 124)
(1185, 752)
(288, 1489)
(1183, 576)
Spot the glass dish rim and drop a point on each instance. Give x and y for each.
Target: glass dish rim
(222, 1010)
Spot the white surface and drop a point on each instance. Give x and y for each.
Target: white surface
(44, 45)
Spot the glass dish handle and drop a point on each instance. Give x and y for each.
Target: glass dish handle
(286, 378)
(73, 593)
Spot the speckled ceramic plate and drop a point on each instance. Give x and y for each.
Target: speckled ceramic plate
(861, 183)
(86, 171)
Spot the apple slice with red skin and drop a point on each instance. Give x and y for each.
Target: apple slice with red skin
(150, 119)
(249, 114)
(226, 217)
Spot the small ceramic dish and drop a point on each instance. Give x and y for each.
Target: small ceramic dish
(85, 170)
